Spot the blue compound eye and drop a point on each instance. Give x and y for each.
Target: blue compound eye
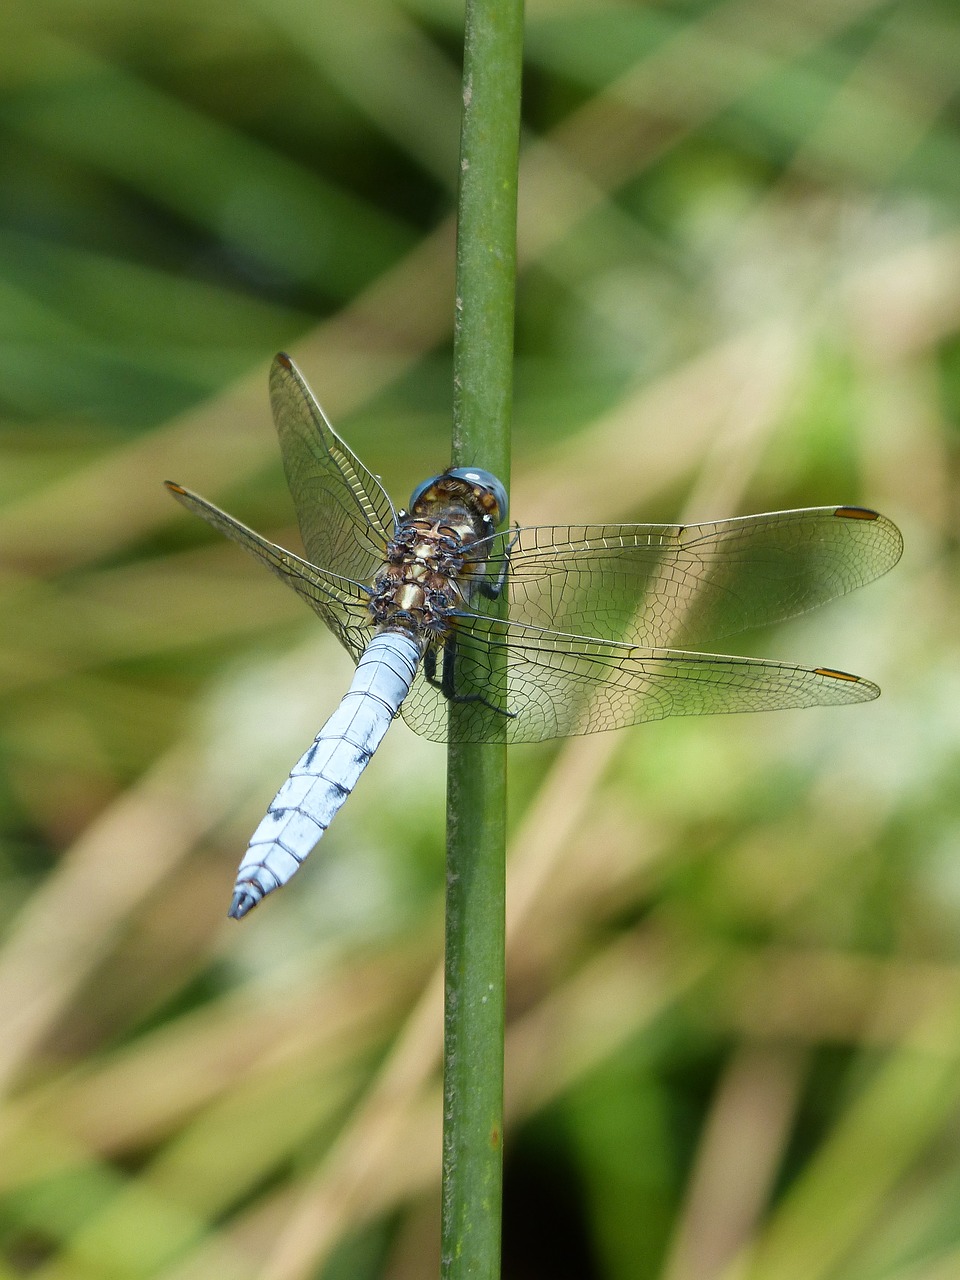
(489, 494)
(421, 489)
(488, 483)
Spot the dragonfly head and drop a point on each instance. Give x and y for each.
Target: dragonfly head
(479, 490)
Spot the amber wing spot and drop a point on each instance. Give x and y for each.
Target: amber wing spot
(284, 359)
(174, 488)
(836, 675)
(856, 513)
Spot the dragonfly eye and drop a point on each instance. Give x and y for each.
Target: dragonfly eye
(485, 489)
(488, 491)
(424, 491)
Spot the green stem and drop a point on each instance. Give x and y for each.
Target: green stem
(476, 779)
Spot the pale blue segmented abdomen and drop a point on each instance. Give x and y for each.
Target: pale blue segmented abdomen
(325, 775)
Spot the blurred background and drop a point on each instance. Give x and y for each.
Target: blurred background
(734, 1004)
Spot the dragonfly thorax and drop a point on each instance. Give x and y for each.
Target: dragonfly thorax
(421, 585)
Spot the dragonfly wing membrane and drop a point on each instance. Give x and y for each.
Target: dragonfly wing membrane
(345, 515)
(555, 685)
(341, 603)
(680, 585)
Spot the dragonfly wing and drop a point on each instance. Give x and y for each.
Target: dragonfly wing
(340, 602)
(345, 515)
(679, 585)
(553, 684)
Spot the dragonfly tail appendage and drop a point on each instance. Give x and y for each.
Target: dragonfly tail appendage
(326, 774)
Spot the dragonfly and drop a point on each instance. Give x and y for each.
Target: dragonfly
(467, 626)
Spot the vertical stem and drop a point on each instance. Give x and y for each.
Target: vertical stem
(476, 779)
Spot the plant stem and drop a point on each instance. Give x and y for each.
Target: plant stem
(476, 779)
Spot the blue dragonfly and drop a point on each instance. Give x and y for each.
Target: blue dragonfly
(600, 628)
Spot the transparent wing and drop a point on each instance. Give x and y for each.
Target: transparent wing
(340, 602)
(554, 685)
(680, 585)
(344, 512)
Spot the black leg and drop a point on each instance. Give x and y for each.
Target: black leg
(446, 683)
(430, 668)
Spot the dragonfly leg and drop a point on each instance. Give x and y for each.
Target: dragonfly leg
(447, 679)
(493, 590)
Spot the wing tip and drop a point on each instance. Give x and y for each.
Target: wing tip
(284, 370)
(174, 487)
(866, 689)
(894, 538)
